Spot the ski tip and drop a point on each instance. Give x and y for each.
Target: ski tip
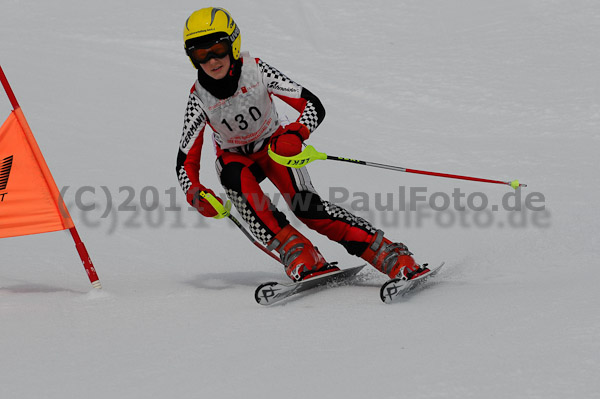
(391, 289)
(264, 293)
(396, 288)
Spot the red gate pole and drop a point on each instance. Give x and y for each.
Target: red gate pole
(79, 245)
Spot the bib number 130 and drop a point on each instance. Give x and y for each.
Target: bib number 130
(242, 123)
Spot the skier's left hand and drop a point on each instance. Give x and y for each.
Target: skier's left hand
(196, 200)
(289, 142)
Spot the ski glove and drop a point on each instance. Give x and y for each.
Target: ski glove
(289, 142)
(203, 206)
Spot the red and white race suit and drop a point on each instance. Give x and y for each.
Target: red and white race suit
(242, 125)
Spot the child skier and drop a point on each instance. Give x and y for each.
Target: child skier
(233, 95)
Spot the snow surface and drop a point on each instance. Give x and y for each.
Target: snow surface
(503, 90)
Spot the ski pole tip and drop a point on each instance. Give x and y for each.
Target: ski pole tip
(515, 184)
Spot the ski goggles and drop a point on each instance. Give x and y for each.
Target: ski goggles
(203, 55)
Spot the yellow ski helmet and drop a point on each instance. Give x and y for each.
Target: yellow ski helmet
(208, 26)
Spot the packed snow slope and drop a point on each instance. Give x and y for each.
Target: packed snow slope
(502, 90)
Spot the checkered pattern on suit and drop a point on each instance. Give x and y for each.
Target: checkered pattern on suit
(241, 176)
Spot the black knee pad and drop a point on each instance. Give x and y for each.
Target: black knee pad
(231, 175)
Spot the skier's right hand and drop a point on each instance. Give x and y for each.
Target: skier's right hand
(201, 204)
(289, 142)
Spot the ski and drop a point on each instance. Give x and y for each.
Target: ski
(396, 288)
(273, 292)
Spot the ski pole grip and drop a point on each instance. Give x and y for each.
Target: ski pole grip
(308, 155)
(223, 211)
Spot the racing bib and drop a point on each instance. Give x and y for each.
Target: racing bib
(247, 116)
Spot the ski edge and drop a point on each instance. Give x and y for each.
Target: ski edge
(280, 291)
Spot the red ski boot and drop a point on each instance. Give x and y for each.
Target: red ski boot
(301, 259)
(393, 259)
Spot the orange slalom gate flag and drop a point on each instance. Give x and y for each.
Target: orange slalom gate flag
(30, 202)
